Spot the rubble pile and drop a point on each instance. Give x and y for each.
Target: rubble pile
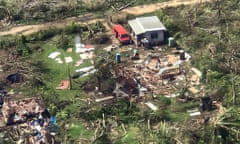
(15, 111)
(30, 117)
(160, 73)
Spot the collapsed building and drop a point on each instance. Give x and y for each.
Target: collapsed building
(16, 111)
(158, 73)
(30, 117)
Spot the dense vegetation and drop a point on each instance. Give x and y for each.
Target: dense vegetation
(41, 11)
(210, 33)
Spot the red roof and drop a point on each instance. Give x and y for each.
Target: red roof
(89, 46)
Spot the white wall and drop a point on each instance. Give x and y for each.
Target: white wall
(160, 38)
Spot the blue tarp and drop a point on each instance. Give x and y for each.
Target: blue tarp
(39, 136)
(34, 123)
(53, 120)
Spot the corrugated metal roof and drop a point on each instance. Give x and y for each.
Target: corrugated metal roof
(136, 27)
(144, 24)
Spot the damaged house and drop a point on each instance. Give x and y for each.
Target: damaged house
(17, 111)
(148, 30)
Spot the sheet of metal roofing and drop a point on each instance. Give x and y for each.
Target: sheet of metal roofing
(143, 24)
(149, 23)
(136, 27)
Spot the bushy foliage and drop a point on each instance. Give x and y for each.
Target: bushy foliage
(22, 48)
(43, 35)
(7, 42)
(62, 42)
(97, 27)
(74, 28)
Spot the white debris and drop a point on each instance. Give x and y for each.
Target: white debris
(172, 95)
(85, 69)
(68, 59)
(197, 72)
(1, 68)
(88, 73)
(92, 62)
(195, 113)
(84, 56)
(53, 55)
(187, 56)
(104, 99)
(108, 48)
(79, 47)
(151, 106)
(59, 60)
(138, 61)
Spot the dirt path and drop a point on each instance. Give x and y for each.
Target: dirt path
(140, 10)
(137, 10)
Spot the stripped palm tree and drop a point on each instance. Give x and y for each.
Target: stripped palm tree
(226, 125)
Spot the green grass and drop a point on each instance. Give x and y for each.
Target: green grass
(58, 72)
(77, 130)
(132, 136)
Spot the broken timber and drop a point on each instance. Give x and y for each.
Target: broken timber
(127, 5)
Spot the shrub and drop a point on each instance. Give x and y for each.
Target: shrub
(46, 34)
(73, 28)
(6, 43)
(62, 42)
(23, 50)
(165, 101)
(98, 27)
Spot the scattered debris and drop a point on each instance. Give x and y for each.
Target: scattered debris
(207, 104)
(78, 63)
(69, 50)
(98, 100)
(15, 78)
(151, 106)
(1, 68)
(111, 48)
(64, 84)
(172, 95)
(59, 60)
(85, 69)
(11, 92)
(87, 55)
(125, 6)
(154, 72)
(68, 59)
(195, 114)
(195, 80)
(53, 55)
(15, 111)
(193, 90)
(197, 72)
(81, 48)
(30, 117)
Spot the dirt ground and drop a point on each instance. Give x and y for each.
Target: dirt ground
(137, 10)
(140, 10)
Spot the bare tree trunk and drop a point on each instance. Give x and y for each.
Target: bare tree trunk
(70, 79)
(233, 90)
